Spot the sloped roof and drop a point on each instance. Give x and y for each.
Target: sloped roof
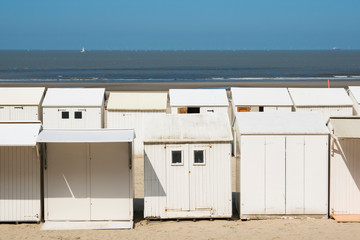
(346, 127)
(137, 101)
(355, 90)
(21, 96)
(198, 97)
(261, 97)
(19, 133)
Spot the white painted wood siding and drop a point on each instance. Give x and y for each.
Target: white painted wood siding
(345, 177)
(91, 118)
(207, 188)
(327, 112)
(131, 120)
(19, 184)
(203, 110)
(19, 113)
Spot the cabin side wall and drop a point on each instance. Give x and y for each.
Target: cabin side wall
(19, 113)
(91, 118)
(19, 184)
(203, 110)
(327, 112)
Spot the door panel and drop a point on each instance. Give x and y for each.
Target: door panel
(67, 181)
(110, 181)
(295, 174)
(177, 187)
(252, 172)
(200, 178)
(275, 175)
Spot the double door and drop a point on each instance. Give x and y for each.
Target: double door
(87, 182)
(189, 182)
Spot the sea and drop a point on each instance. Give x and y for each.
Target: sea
(170, 66)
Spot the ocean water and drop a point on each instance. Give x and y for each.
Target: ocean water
(178, 65)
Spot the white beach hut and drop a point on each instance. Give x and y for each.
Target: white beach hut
(282, 168)
(87, 179)
(189, 101)
(126, 110)
(345, 168)
(261, 100)
(21, 104)
(188, 167)
(329, 101)
(354, 94)
(73, 108)
(19, 172)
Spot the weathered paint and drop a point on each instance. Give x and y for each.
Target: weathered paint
(131, 120)
(188, 190)
(19, 184)
(345, 176)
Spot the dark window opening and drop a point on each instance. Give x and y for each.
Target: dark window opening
(176, 157)
(19, 107)
(78, 115)
(65, 115)
(193, 110)
(199, 157)
(261, 109)
(210, 110)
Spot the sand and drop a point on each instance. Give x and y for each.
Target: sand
(205, 229)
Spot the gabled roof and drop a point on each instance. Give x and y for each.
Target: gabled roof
(281, 123)
(355, 92)
(261, 97)
(187, 128)
(320, 97)
(21, 96)
(19, 133)
(198, 97)
(137, 101)
(77, 97)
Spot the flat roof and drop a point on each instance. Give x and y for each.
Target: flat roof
(19, 133)
(68, 97)
(198, 97)
(187, 128)
(86, 136)
(280, 123)
(320, 97)
(137, 101)
(346, 127)
(261, 97)
(355, 90)
(21, 96)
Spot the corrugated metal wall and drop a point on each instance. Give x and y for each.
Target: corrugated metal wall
(131, 120)
(19, 184)
(19, 113)
(327, 112)
(91, 118)
(345, 177)
(208, 186)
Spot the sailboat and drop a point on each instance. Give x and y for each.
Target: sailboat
(82, 50)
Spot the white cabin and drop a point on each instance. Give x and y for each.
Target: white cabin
(87, 179)
(126, 110)
(188, 167)
(73, 108)
(282, 168)
(344, 166)
(330, 102)
(20, 176)
(21, 104)
(192, 101)
(354, 94)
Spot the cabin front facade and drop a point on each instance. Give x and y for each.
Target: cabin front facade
(21, 104)
(188, 167)
(282, 167)
(198, 101)
(73, 108)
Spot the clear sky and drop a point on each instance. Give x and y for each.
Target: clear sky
(180, 24)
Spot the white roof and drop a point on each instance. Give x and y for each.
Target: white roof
(85, 136)
(261, 97)
(77, 97)
(19, 134)
(347, 127)
(281, 123)
(21, 96)
(198, 97)
(355, 92)
(137, 101)
(187, 128)
(320, 97)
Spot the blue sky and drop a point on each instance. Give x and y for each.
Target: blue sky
(182, 24)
